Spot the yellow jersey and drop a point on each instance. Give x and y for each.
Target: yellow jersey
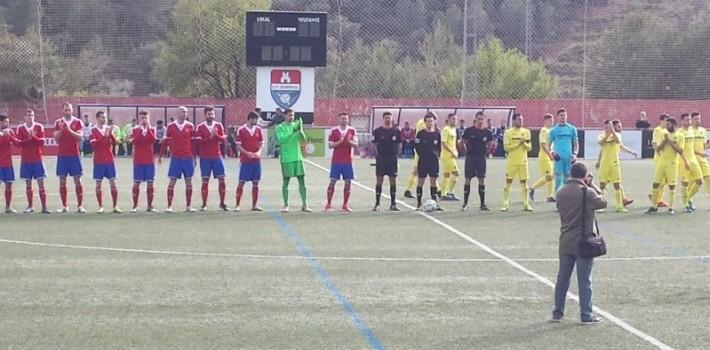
(421, 125)
(610, 149)
(667, 154)
(657, 135)
(517, 153)
(701, 139)
(544, 140)
(688, 144)
(448, 138)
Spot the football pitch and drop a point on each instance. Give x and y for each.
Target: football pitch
(408, 280)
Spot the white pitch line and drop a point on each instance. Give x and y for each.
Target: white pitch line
(332, 258)
(619, 322)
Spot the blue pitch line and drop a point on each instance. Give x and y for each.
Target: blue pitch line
(326, 280)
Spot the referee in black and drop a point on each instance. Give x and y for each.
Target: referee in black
(477, 141)
(388, 141)
(428, 146)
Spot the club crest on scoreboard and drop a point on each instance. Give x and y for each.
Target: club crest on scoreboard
(285, 87)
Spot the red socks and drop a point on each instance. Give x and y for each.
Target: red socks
(150, 191)
(114, 195)
(346, 195)
(222, 190)
(171, 194)
(99, 196)
(331, 190)
(30, 195)
(79, 195)
(135, 194)
(240, 191)
(205, 191)
(254, 195)
(63, 195)
(8, 196)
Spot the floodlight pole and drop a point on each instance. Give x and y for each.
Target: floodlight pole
(464, 53)
(466, 36)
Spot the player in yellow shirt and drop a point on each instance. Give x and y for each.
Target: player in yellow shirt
(413, 176)
(691, 178)
(516, 142)
(608, 164)
(657, 133)
(545, 162)
(701, 145)
(667, 145)
(449, 154)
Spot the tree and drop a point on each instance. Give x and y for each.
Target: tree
(205, 53)
(510, 74)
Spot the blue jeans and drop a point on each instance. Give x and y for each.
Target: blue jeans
(584, 278)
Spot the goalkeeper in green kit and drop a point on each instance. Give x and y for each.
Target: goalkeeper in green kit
(289, 135)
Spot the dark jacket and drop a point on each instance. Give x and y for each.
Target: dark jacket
(569, 204)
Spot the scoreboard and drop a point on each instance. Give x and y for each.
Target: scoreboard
(286, 39)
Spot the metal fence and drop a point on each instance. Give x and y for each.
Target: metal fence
(463, 50)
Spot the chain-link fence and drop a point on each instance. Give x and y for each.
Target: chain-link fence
(459, 51)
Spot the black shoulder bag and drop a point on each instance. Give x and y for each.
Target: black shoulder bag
(590, 245)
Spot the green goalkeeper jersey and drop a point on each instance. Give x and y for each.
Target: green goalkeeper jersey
(289, 137)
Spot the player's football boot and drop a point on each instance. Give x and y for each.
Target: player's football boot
(151, 210)
(408, 194)
(203, 208)
(531, 194)
(464, 208)
(346, 209)
(117, 210)
(81, 210)
(551, 200)
(622, 210)
(134, 210)
(327, 208)
(45, 211)
(237, 209)
(285, 209)
(393, 207)
(692, 205)
(452, 197)
(671, 211)
(62, 210)
(688, 210)
(306, 209)
(10, 211)
(528, 208)
(100, 210)
(224, 207)
(651, 210)
(504, 209)
(169, 209)
(29, 210)
(484, 208)
(627, 202)
(190, 210)
(376, 208)
(257, 209)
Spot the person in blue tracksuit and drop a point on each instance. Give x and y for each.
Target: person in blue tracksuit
(565, 145)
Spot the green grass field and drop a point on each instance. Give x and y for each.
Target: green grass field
(340, 281)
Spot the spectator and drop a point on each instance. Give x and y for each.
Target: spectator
(116, 131)
(86, 133)
(408, 136)
(160, 130)
(569, 204)
(643, 123)
(494, 132)
(126, 135)
(232, 141)
(459, 132)
(500, 132)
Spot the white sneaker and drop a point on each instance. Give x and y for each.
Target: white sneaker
(134, 210)
(151, 210)
(237, 209)
(62, 210)
(81, 210)
(29, 210)
(10, 211)
(190, 210)
(285, 209)
(100, 211)
(203, 208)
(169, 209)
(117, 210)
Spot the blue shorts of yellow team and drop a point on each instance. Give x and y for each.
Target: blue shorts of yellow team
(693, 174)
(517, 171)
(342, 171)
(69, 166)
(7, 174)
(32, 171)
(181, 167)
(250, 171)
(211, 167)
(666, 173)
(144, 173)
(545, 165)
(104, 171)
(449, 165)
(610, 173)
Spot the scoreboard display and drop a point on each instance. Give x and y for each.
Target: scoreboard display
(290, 39)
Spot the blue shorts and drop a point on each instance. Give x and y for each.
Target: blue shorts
(144, 172)
(250, 171)
(211, 166)
(563, 166)
(344, 171)
(7, 174)
(32, 171)
(104, 171)
(180, 167)
(69, 166)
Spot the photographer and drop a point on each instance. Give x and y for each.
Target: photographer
(576, 217)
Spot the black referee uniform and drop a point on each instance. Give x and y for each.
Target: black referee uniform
(476, 141)
(387, 141)
(428, 147)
